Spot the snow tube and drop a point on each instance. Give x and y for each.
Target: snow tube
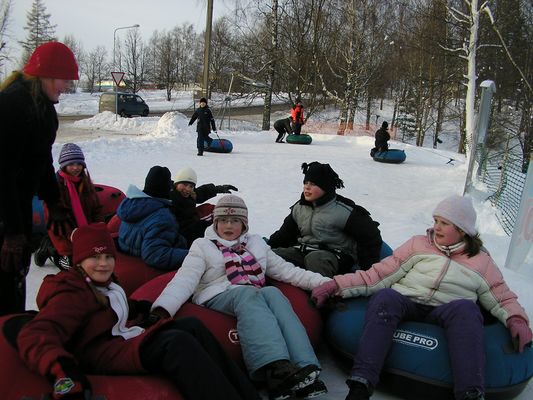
(110, 198)
(219, 146)
(224, 327)
(18, 382)
(420, 353)
(132, 272)
(299, 139)
(39, 219)
(391, 156)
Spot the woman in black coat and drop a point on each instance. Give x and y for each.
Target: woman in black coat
(206, 122)
(29, 126)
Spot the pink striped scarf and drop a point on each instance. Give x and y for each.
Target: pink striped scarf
(75, 202)
(241, 266)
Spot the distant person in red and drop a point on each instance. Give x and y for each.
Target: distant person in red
(29, 126)
(297, 117)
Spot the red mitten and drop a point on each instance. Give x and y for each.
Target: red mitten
(520, 332)
(323, 292)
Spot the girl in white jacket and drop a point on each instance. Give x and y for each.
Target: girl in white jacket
(226, 271)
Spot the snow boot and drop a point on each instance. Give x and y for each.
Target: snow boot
(315, 389)
(284, 378)
(62, 262)
(358, 391)
(44, 251)
(473, 394)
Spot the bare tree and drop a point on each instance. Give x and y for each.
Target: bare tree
(133, 60)
(96, 69)
(5, 12)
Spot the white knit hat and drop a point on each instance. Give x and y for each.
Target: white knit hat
(231, 206)
(186, 175)
(459, 211)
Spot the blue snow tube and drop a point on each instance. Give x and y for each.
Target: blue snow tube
(219, 146)
(419, 353)
(391, 156)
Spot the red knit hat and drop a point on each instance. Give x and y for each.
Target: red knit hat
(52, 60)
(90, 240)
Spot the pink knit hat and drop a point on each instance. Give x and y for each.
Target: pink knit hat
(459, 211)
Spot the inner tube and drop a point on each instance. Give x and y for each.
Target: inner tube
(299, 139)
(391, 156)
(219, 146)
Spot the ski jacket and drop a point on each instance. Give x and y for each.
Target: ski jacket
(421, 271)
(206, 122)
(297, 114)
(29, 127)
(283, 125)
(382, 137)
(203, 273)
(149, 230)
(71, 323)
(91, 208)
(332, 223)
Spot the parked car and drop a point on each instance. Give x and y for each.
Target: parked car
(128, 104)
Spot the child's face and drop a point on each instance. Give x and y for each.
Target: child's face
(312, 192)
(446, 233)
(229, 228)
(74, 169)
(99, 267)
(185, 188)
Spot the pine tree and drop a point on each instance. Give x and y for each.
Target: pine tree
(39, 28)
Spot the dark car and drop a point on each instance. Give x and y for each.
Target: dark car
(128, 104)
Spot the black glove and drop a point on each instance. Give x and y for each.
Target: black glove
(225, 188)
(139, 308)
(154, 317)
(69, 382)
(59, 220)
(15, 254)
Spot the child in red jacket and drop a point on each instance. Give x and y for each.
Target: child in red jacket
(87, 325)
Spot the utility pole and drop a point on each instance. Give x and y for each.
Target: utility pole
(207, 48)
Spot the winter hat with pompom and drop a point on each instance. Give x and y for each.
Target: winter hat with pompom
(91, 240)
(459, 211)
(231, 206)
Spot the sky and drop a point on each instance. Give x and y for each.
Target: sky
(93, 21)
(269, 179)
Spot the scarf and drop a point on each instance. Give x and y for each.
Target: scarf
(448, 250)
(75, 202)
(119, 303)
(241, 266)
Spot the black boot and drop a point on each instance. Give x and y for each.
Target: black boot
(358, 391)
(284, 378)
(43, 252)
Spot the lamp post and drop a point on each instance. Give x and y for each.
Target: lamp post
(115, 61)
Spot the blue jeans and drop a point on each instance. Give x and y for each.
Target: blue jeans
(269, 330)
(461, 320)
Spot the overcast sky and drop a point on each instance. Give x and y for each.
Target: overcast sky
(92, 22)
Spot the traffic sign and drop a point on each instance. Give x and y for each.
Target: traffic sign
(117, 77)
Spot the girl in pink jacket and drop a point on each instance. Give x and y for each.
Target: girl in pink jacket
(437, 278)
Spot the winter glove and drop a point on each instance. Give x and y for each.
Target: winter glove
(323, 292)
(69, 382)
(520, 332)
(15, 254)
(59, 220)
(139, 308)
(154, 317)
(225, 188)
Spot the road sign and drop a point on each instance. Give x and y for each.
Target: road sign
(117, 77)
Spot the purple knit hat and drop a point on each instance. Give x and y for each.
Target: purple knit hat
(459, 211)
(71, 154)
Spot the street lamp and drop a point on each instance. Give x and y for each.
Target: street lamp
(115, 62)
(115, 40)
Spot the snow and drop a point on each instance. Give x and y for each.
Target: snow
(269, 178)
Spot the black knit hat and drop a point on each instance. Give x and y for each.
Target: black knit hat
(385, 124)
(158, 182)
(203, 100)
(322, 175)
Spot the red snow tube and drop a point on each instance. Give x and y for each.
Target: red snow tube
(223, 326)
(18, 382)
(132, 272)
(110, 198)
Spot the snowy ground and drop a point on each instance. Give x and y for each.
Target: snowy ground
(269, 178)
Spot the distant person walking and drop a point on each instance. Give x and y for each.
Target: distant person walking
(282, 126)
(29, 126)
(206, 122)
(297, 116)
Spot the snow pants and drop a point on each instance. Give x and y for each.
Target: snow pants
(269, 330)
(202, 137)
(321, 261)
(188, 354)
(461, 320)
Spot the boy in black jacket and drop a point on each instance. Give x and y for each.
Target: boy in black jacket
(206, 122)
